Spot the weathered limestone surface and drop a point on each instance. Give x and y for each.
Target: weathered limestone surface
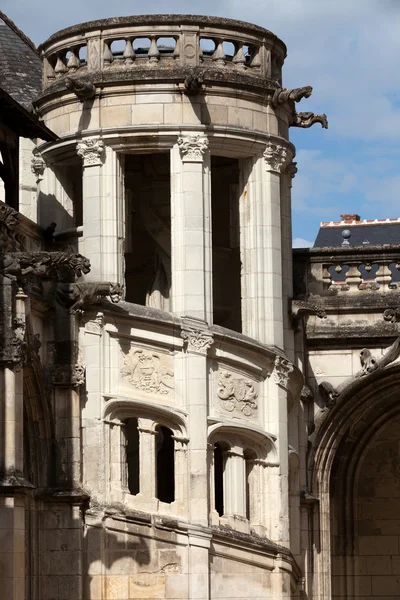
(181, 417)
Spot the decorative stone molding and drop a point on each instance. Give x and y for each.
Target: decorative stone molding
(237, 392)
(308, 119)
(192, 148)
(295, 95)
(10, 241)
(197, 340)
(91, 151)
(68, 375)
(13, 346)
(282, 370)
(149, 371)
(77, 296)
(96, 326)
(43, 264)
(392, 314)
(275, 157)
(38, 165)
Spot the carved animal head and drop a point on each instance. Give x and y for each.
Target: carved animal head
(116, 292)
(299, 93)
(80, 264)
(368, 362)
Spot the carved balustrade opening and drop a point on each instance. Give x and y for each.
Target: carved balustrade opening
(357, 275)
(162, 41)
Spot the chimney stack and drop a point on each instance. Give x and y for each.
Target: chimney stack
(350, 218)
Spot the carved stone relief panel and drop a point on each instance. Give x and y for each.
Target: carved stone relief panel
(149, 371)
(236, 394)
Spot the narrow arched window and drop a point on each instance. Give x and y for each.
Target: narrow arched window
(219, 479)
(132, 455)
(165, 465)
(249, 457)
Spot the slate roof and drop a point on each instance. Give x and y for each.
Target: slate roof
(20, 64)
(376, 234)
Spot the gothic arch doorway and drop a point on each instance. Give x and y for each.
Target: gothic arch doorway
(356, 474)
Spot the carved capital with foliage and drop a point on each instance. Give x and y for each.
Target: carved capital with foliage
(275, 157)
(91, 151)
(192, 148)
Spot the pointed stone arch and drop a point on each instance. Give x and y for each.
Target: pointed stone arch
(342, 441)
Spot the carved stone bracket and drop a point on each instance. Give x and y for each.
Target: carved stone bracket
(91, 151)
(237, 392)
(282, 370)
(83, 90)
(284, 95)
(192, 148)
(307, 119)
(193, 83)
(77, 296)
(291, 169)
(392, 314)
(38, 165)
(275, 157)
(71, 375)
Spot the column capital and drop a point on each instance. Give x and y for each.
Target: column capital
(275, 157)
(198, 339)
(192, 147)
(91, 151)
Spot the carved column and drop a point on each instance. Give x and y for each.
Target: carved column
(103, 210)
(147, 461)
(261, 246)
(287, 253)
(234, 483)
(191, 228)
(193, 379)
(12, 483)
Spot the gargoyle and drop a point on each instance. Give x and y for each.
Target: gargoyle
(284, 95)
(77, 296)
(368, 362)
(303, 307)
(82, 89)
(43, 264)
(329, 393)
(193, 83)
(307, 119)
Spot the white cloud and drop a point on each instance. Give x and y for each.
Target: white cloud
(300, 243)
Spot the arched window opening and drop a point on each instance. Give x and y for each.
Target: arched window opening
(165, 465)
(219, 479)
(249, 457)
(132, 455)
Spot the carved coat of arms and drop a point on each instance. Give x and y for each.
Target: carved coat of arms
(148, 371)
(236, 392)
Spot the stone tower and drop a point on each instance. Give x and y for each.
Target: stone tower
(179, 443)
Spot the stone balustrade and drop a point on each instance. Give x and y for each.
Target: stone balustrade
(163, 42)
(349, 270)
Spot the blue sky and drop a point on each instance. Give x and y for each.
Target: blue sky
(348, 50)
